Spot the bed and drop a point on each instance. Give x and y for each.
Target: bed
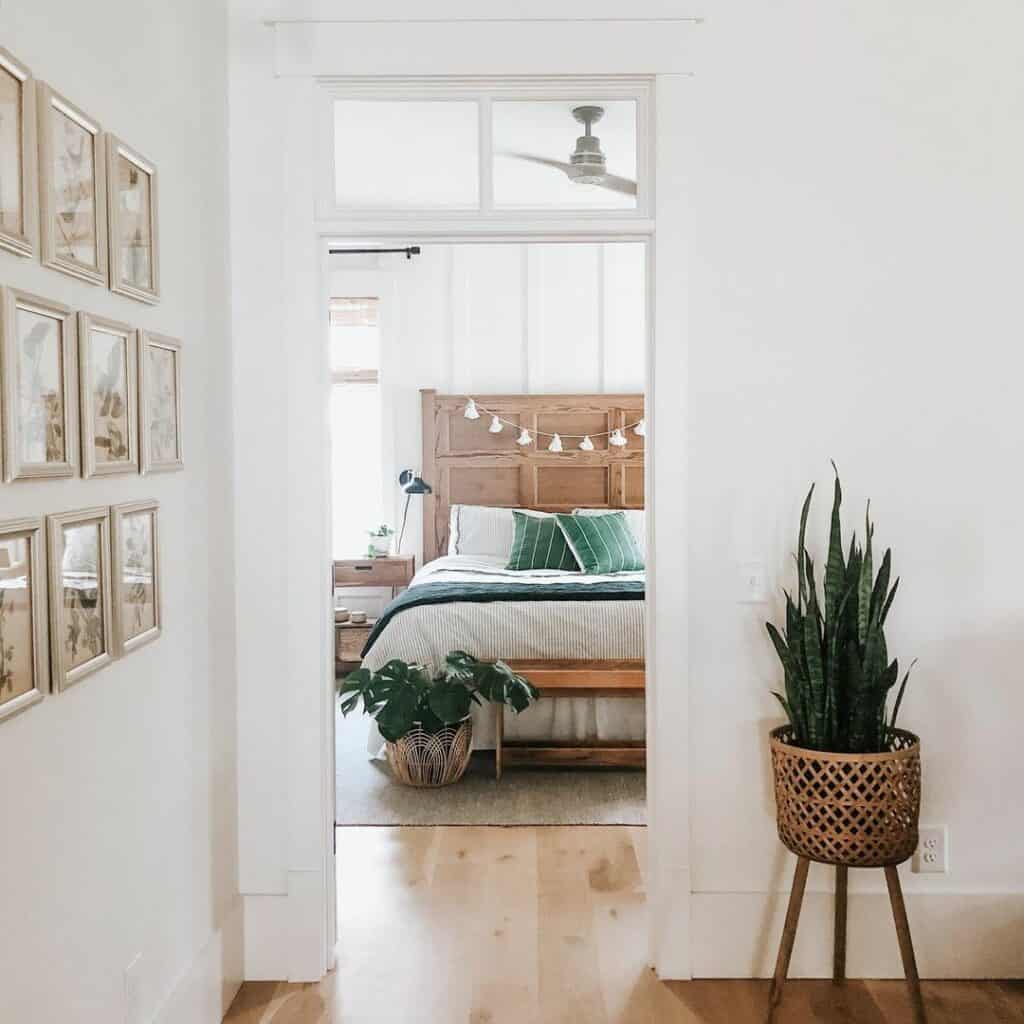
(566, 631)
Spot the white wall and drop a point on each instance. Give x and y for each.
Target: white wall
(854, 293)
(495, 319)
(118, 804)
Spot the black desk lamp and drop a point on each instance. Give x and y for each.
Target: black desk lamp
(411, 484)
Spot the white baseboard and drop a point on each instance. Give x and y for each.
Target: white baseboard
(205, 990)
(961, 935)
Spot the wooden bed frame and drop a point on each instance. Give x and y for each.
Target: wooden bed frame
(465, 464)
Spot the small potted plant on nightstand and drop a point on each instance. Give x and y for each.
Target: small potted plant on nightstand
(425, 720)
(847, 781)
(379, 544)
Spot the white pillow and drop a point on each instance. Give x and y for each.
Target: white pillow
(634, 520)
(483, 530)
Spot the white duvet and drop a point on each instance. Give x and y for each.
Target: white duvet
(523, 629)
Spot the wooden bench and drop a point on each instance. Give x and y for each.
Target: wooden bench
(573, 679)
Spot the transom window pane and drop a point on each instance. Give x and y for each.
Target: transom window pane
(565, 154)
(406, 154)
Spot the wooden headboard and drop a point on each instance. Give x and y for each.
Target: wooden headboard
(465, 464)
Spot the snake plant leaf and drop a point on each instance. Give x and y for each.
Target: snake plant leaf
(899, 695)
(888, 601)
(815, 668)
(866, 580)
(881, 587)
(785, 705)
(835, 568)
(801, 551)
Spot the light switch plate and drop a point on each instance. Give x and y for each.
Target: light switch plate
(751, 580)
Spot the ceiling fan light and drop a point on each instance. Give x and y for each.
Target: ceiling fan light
(587, 163)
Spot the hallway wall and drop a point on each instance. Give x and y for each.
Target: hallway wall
(118, 805)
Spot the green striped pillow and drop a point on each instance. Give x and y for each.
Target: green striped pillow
(538, 543)
(602, 544)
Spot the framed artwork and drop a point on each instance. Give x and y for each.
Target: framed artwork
(108, 388)
(38, 360)
(18, 215)
(160, 402)
(72, 188)
(134, 537)
(131, 191)
(80, 625)
(23, 674)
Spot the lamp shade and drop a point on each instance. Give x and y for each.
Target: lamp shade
(412, 484)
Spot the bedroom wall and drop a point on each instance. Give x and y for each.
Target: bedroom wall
(854, 293)
(118, 806)
(478, 319)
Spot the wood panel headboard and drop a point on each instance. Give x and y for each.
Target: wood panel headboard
(465, 464)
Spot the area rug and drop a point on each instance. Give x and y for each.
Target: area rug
(366, 794)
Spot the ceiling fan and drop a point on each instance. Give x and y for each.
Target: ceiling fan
(587, 163)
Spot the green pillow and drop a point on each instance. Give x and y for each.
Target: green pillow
(539, 544)
(602, 544)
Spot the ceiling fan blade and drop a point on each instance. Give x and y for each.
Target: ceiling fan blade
(614, 183)
(546, 161)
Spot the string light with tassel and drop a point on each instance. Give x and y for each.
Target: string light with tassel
(616, 437)
(496, 425)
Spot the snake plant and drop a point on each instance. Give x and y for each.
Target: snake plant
(837, 670)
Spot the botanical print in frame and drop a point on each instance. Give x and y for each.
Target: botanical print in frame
(107, 396)
(72, 188)
(134, 257)
(18, 215)
(80, 623)
(135, 541)
(160, 402)
(38, 359)
(23, 672)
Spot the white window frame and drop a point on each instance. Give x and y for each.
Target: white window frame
(483, 92)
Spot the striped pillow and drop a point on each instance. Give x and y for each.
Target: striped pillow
(602, 544)
(538, 543)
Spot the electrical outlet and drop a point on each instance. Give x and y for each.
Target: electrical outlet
(932, 853)
(133, 991)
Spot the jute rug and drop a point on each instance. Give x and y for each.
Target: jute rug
(366, 794)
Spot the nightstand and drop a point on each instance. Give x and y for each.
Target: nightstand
(394, 572)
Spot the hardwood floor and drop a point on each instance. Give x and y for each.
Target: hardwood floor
(542, 926)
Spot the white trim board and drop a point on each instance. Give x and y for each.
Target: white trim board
(956, 935)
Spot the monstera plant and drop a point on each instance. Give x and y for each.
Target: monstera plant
(838, 675)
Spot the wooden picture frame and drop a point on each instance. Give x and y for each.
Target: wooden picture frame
(29, 531)
(134, 262)
(40, 431)
(109, 417)
(66, 242)
(81, 633)
(18, 88)
(133, 629)
(159, 407)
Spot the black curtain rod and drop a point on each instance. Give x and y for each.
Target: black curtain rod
(409, 250)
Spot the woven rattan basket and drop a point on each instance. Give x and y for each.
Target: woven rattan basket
(431, 759)
(860, 810)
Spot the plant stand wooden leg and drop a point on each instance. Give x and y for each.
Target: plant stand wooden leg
(839, 933)
(899, 914)
(796, 898)
(499, 735)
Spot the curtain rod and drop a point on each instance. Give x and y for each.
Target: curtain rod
(409, 250)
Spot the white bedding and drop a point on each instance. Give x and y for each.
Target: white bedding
(524, 629)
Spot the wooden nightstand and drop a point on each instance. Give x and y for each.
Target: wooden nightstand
(395, 572)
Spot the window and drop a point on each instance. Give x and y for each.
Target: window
(406, 154)
(356, 421)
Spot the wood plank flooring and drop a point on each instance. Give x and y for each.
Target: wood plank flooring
(465, 925)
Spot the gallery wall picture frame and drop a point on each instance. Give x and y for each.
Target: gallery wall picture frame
(72, 188)
(133, 222)
(39, 401)
(24, 673)
(160, 403)
(135, 544)
(19, 184)
(81, 631)
(108, 395)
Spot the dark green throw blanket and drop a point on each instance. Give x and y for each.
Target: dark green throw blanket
(453, 593)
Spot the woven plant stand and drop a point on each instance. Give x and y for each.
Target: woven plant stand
(853, 811)
(430, 759)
